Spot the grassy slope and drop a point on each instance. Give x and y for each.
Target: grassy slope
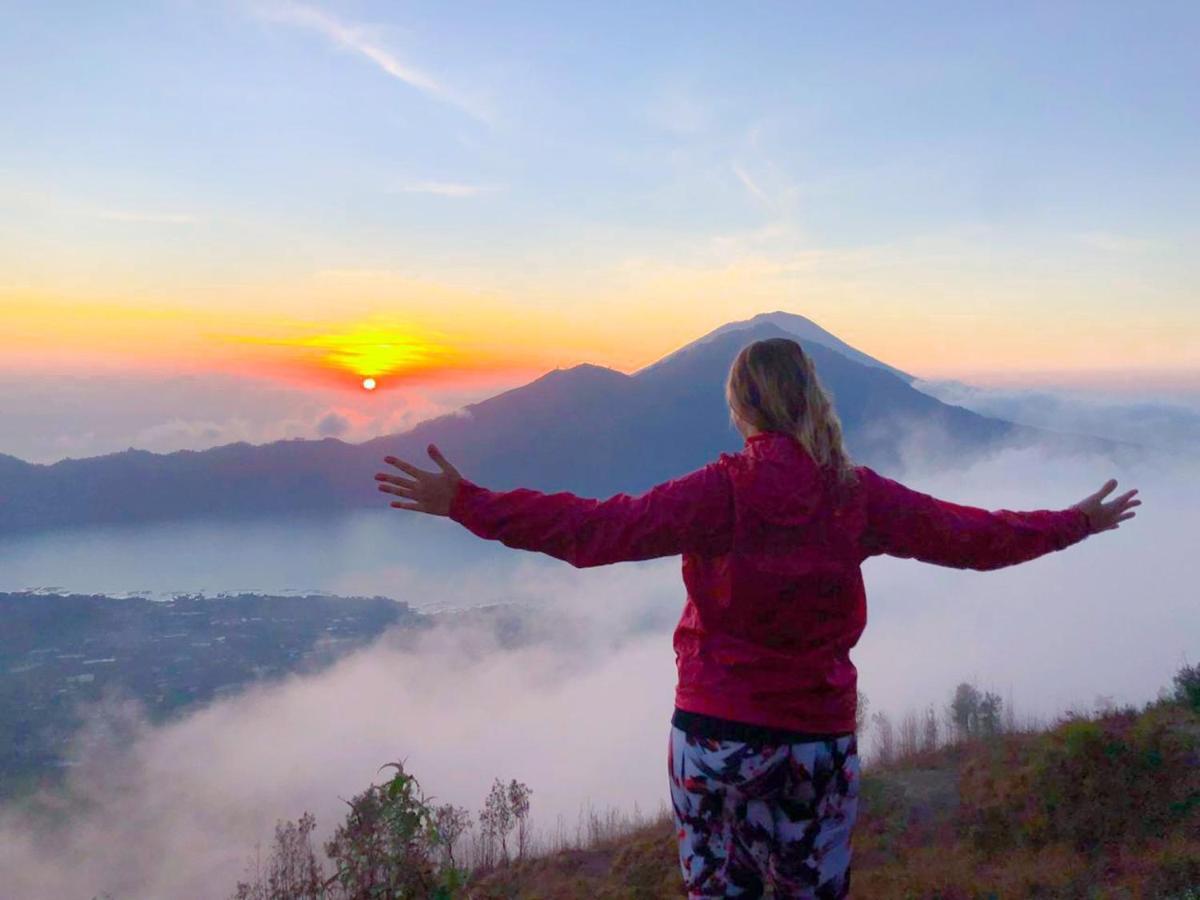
(1093, 808)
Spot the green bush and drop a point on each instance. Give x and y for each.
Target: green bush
(393, 843)
(390, 845)
(1126, 776)
(1187, 687)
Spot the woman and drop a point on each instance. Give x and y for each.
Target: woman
(763, 756)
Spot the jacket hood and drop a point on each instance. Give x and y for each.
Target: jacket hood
(776, 478)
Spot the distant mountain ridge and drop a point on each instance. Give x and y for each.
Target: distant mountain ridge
(802, 329)
(587, 429)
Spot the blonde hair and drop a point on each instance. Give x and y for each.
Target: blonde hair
(773, 386)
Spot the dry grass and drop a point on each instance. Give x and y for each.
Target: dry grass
(640, 862)
(1093, 808)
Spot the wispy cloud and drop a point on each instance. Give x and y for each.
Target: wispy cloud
(1115, 243)
(445, 188)
(144, 216)
(364, 41)
(775, 193)
(679, 110)
(750, 184)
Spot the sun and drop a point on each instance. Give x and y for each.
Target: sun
(371, 352)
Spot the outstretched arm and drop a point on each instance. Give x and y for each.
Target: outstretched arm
(691, 513)
(912, 525)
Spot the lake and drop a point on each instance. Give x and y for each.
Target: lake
(365, 552)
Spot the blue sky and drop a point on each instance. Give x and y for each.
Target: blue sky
(963, 190)
(615, 115)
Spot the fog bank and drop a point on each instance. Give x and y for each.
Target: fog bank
(582, 714)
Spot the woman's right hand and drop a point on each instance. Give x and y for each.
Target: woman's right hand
(1104, 516)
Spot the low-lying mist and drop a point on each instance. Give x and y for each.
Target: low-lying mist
(62, 413)
(580, 714)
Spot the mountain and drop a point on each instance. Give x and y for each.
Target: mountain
(587, 429)
(802, 329)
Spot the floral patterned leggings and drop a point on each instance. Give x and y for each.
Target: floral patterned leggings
(749, 814)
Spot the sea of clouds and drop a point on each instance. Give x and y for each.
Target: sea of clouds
(580, 713)
(49, 416)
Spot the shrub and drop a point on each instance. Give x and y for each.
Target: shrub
(390, 845)
(393, 843)
(1187, 687)
(294, 872)
(506, 808)
(1089, 783)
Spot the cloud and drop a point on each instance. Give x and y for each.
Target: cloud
(580, 713)
(678, 109)
(175, 811)
(751, 185)
(445, 188)
(333, 425)
(1115, 243)
(142, 216)
(364, 41)
(51, 416)
(177, 433)
(1105, 617)
(41, 201)
(1149, 420)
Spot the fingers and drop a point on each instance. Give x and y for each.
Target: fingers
(1105, 488)
(1123, 502)
(395, 479)
(406, 466)
(1115, 524)
(399, 490)
(422, 483)
(436, 455)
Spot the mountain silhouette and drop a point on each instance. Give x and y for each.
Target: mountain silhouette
(805, 330)
(586, 429)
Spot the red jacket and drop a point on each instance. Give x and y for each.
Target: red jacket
(771, 563)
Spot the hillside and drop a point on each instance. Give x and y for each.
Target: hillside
(1091, 807)
(1102, 808)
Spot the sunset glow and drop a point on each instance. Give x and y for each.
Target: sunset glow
(371, 371)
(367, 350)
(430, 237)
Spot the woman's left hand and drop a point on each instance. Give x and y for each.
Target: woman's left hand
(430, 492)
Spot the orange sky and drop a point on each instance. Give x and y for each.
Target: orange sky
(295, 203)
(328, 333)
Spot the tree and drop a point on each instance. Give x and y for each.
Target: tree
(860, 712)
(989, 714)
(909, 736)
(885, 739)
(964, 710)
(929, 739)
(1187, 686)
(294, 872)
(451, 822)
(496, 821)
(518, 803)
